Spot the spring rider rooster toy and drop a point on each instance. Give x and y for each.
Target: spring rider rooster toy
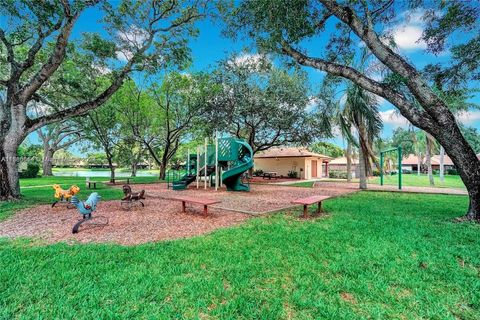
(85, 208)
(64, 196)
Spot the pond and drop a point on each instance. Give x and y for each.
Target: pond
(100, 173)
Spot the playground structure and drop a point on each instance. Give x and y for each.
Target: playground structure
(399, 155)
(223, 162)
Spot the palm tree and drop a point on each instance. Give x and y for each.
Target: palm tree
(360, 111)
(429, 148)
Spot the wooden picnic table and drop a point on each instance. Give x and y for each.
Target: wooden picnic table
(204, 202)
(310, 200)
(270, 175)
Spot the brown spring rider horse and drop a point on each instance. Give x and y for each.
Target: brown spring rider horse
(131, 197)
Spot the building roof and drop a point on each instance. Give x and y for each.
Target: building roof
(342, 161)
(446, 160)
(288, 152)
(413, 160)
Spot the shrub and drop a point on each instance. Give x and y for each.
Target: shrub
(436, 171)
(31, 171)
(258, 172)
(452, 172)
(292, 174)
(376, 173)
(337, 174)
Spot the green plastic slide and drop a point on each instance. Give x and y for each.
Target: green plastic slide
(232, 178)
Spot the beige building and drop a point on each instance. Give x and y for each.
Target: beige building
(340, 164)
(282, 160)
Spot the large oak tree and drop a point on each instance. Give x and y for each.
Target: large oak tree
(35, 42)
(286, 26)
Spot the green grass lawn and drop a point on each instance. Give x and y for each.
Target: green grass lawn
(413, 180)
(37, 191)
(304, 184)
(377, 255)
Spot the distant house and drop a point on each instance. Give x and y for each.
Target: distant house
(340, 164)
(410, 163)
(282, 160)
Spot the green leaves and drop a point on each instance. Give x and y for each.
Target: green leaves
(98, 46)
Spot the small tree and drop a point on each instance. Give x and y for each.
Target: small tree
(162, 115)
(56, 137)
(264, 105)
(102, 129)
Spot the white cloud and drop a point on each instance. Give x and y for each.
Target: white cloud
(393, 118)
(469, 117)
(248, 58)
(407, 34)
(408, 37)
(381, 101)
(312, 104)
(134, 36)
(103, 69)
(124, 55)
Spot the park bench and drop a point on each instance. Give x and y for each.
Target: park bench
(204, 202)
(269, 175)
(309, 201)
(125, 181)
(91, 183)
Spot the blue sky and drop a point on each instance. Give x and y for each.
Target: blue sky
(210, 47)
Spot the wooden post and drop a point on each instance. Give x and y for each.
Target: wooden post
(305, 211)
(183, 207)
(205, 210)
(319, 209)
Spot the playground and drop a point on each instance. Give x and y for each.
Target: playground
(161, 218)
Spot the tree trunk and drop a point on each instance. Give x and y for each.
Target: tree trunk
(112, 169)
(163, 170)
(419, 163)
(47, 161)
(11, 135)
(134, 169)
(442, 164)
(9, 179)
(363, 171)
(348, 155)
(428, 160)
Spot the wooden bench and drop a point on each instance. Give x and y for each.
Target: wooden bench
(127, 180)
(311, 200)
(204, 202)
(91, 183)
